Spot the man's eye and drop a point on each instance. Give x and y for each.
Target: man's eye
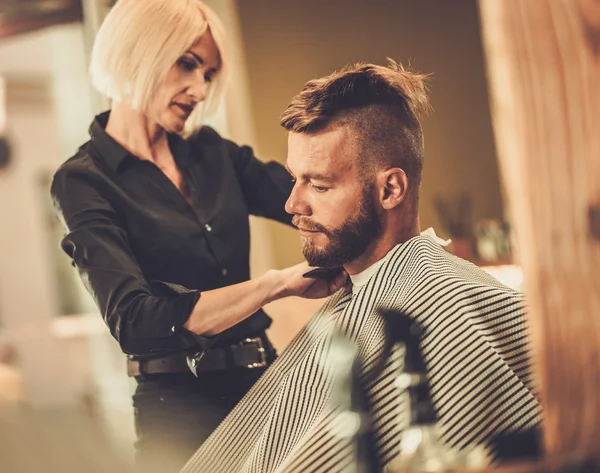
(319, 188)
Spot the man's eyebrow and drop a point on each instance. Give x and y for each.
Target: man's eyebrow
(316, 176)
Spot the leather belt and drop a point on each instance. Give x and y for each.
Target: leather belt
(248, 353)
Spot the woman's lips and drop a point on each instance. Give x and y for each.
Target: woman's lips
(186, 109)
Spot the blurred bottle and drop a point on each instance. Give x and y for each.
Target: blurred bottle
(353, 421)
(421, 446)
(493, 240)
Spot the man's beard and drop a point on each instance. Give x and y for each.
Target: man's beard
(347, 242)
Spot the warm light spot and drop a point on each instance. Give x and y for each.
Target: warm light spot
(2, 106)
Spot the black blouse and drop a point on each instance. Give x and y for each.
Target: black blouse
(143, 252)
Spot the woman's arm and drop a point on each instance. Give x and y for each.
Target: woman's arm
(219, 309)
(140, 315)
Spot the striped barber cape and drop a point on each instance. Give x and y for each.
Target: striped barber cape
(475, 347)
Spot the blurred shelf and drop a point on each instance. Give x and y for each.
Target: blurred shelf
(510, 275)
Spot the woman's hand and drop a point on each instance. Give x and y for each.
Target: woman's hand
(309, 288)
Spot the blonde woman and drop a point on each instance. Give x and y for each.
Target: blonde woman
(155, 209)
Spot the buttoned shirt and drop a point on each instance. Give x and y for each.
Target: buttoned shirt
(144, 252)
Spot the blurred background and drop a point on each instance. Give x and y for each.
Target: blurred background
(59, 368)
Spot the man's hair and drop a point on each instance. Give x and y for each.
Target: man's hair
(380, 105)
(140, 41)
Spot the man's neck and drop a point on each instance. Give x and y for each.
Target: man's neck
(380, 248)
(135, 132)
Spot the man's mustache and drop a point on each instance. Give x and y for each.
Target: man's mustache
(307, 224)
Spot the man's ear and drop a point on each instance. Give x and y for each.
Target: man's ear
(393, 185)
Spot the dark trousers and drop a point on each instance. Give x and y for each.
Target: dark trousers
(175, 413)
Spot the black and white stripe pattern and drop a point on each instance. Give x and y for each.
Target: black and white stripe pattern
(475, 348)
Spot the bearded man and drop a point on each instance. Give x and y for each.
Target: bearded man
(355, 151)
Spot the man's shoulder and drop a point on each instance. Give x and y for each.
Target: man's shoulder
(424, 263)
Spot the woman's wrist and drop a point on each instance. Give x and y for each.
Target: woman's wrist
(221, 308)
(274, 282)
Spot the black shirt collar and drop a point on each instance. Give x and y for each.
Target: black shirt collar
(111, 151)
(114, 154)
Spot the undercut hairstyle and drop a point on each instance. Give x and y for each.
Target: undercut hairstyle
(379, 105)
(139, 42)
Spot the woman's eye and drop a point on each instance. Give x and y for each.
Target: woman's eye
(186, 64)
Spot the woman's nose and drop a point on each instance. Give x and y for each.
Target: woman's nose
(199, 90)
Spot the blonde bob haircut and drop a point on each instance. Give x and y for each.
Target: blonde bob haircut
(141, 40)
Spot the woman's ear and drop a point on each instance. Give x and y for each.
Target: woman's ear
(394, 187)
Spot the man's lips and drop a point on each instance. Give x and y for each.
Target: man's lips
(305, 231)
(299, 224)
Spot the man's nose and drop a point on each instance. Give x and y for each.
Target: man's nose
(295, 205)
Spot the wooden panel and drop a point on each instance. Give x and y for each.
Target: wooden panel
(544, 75)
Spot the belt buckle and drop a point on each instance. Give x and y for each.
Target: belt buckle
(261, 351)
(134, 368)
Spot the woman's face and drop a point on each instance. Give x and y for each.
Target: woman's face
(186, 85)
